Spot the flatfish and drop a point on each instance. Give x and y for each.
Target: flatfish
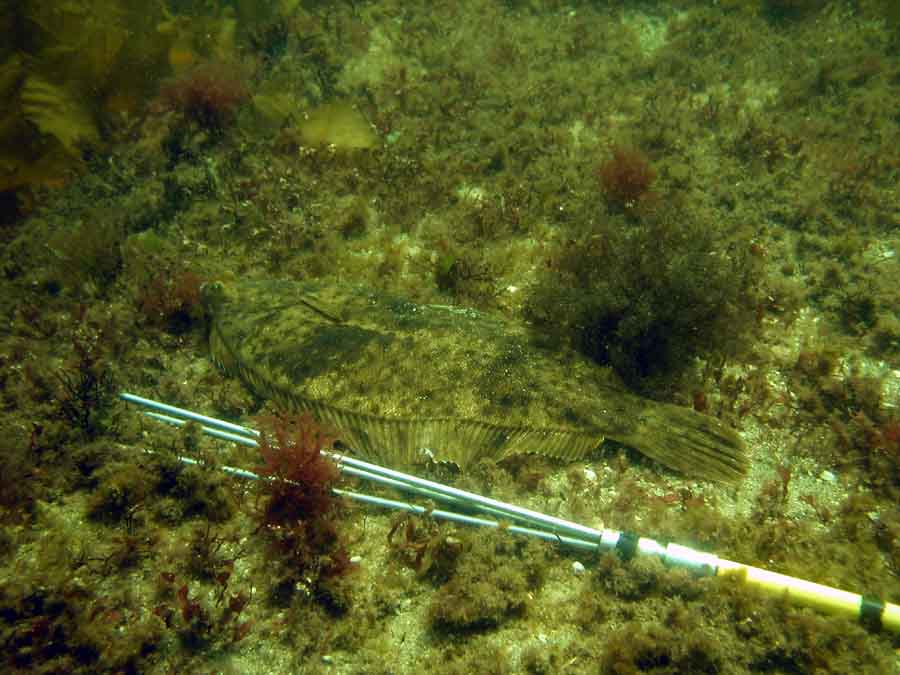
(401, 382)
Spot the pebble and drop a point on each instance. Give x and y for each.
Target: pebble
(577, 568)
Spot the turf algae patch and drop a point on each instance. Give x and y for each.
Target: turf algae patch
(399, 380)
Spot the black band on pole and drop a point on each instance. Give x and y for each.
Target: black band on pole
(627, 545)
(870, 611)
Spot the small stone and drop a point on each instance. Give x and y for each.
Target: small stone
(828, 476)
(577, 568)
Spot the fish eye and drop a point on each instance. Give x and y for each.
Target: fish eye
(212, 293)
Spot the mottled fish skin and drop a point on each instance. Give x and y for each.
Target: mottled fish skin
(395, 379)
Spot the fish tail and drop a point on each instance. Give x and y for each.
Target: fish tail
(687, 441)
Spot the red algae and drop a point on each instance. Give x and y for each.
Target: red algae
(209, 94)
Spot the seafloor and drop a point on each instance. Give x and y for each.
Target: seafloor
(701, 197)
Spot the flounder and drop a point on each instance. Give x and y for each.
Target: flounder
(399, 381)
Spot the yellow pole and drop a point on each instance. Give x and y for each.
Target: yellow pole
(869, 611)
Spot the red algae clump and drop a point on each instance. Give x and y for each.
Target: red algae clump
(300, 489)
(209, 94)
(299, 507)
(626, 177)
